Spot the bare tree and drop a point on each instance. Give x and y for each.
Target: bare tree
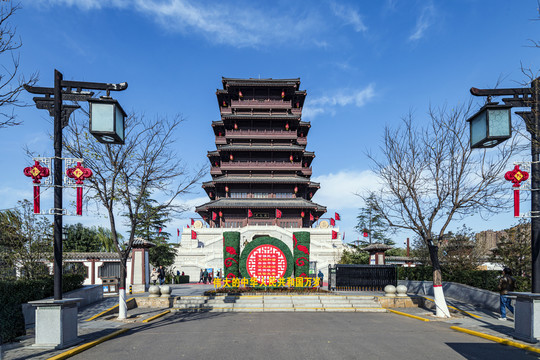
(11, 82)
(123, 175)
(431, 176)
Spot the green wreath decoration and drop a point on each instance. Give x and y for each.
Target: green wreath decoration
(266, 240)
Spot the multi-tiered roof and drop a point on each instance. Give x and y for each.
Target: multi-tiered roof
(260, 169)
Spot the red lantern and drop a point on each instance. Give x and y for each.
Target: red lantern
(231, 157)
(211, 195)
(297, 104)
(224, 103)
(516, 176)
(79, 173)
(291, 158)
(302, 214)
(36, 172)
(296, 190)
(220, 214)
(282, 94)
(226, 189)
(235, 126)
(240, 94)
(310, 195)
(219, 134)
(287, 126)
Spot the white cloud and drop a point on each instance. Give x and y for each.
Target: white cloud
(349, 15)
(359, 98)
(338, 190)
(424, 21)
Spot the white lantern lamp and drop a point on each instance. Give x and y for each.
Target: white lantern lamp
(490, 126)
(107, 120)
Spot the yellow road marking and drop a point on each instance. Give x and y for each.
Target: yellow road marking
(86, 346)
(496, 339)
(156, 316)
(409, 315)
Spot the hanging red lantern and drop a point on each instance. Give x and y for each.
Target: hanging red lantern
(220, 214)
(226, 189)
(36, 172)
(301, 134)
(219, 134)
(282, 94)
(310, 195)
(231, 157)
(287, 126)
(211, 196)
(79, 173)
(305, 164)
(235, 126)
(291, 158)
(224, 103)
(302, 214)
(240, 94)
(295, 189)
(297, 104)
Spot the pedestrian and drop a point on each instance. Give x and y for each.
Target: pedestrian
(506, 284)
(154, 276)
(202, 276)
(320, 275)
(161, 275)
(205, 276)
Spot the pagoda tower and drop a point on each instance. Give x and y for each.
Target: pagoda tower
(260, 169)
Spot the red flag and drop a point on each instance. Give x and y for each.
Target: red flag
(177, 232)
(193, 234)
(159, 230)
(187, 226)
(337, 216)
(332, 222)
(334, 234)
(278, 214)
(192, 221)
(343, 238)
(311, 218)
(250, 214)
(365, 234)
(214, 216)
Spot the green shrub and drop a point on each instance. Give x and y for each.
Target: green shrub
(483, 279)
(15, 293)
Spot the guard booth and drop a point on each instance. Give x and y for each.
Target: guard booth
(361, 277)
(110, 285)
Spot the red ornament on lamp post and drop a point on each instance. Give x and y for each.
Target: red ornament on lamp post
(36, 172)
(516, 176)
(79, 173)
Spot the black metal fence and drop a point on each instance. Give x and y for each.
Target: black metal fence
(361, 277)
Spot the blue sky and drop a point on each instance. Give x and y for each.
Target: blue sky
(364, 65)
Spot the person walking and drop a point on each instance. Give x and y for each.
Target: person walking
(320, 275)
(506, 284)
(154, 276)
(161, 275)
(205, 276)
(201, 276)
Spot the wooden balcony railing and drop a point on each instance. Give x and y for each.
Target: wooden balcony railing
(296, 111)
(279, 134)
(302, 141)
(254, 104)
(215, 170)
(221, 140)
(264, 165)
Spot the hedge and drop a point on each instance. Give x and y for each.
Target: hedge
(231, 254)
(483, 279)
(301, 241)
(15, 293)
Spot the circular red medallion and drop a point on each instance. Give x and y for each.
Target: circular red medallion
(265, 262)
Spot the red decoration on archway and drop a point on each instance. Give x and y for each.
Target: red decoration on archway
(516, 176)
(79, 173)
(36, 172)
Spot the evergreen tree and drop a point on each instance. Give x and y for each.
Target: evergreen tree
(514, 250)
(371, 221)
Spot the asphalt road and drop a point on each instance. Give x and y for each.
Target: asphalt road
(299, 336)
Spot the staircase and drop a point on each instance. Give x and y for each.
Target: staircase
(267, 303)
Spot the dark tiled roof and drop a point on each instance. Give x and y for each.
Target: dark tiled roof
(90, 255)
(262, 116)
(262, 179)
(377, 247)
(304, 123)
(261, 148)
(141, 243)
(298, 203)
(260, 82)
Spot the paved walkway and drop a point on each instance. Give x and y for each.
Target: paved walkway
(215, 333)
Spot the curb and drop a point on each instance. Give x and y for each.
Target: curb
(496, 339)
(455, 308)
(408, 315)
(156, 316)
(87, 346)
(108, 311)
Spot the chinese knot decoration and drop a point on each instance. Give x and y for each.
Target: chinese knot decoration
(79, 174)
(516, 176)
(36, 172)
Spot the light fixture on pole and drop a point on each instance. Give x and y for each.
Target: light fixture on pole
(107, 120)
(490, 126)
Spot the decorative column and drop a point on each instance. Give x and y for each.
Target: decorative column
(231, 254)
(301, 242)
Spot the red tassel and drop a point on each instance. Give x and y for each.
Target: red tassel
(516, 203)
(79, 200)
(37, 209)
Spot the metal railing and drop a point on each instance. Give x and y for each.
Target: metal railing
(361, 277)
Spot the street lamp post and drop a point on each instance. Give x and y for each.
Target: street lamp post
(70, 91)
(520, 97)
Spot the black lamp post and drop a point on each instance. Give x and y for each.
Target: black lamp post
(73, 91)
(490, 126)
